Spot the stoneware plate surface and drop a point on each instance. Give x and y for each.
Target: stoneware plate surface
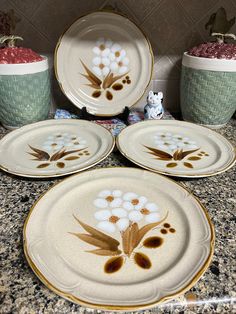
(176, 148)
(54, 148)
(118, 239)
(104, 62)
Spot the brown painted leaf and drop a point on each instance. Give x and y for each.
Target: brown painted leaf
(72, 158)
(39, 154)
(96, 93)
(159, 158)
(130, 238)
(105, 252)
(144, 230)
(186, 153)
(171, 165)
(175, 155)
(142, 260)
(60, 164)
(116, 78)
(94, 86)
(58, 155)
(43, 165)
(93, 240)
(194, 158)
(73, 151)
(188, 165)
(92, 76)
(117, 86)
(93, 83)
(99, 235)
(108, 80)
(109, 95)
(114, 264)
(159, 153)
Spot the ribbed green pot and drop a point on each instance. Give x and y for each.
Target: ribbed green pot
(208, 95)
(24, 98)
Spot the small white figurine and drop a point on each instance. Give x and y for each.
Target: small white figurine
(154, 108)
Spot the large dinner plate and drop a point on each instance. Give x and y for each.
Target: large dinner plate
(118, 239)
(54, 148)
(176, 148)
(103, 62)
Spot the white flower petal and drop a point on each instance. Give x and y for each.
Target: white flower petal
(104, 193)
(116, 202)
(105, 71)
(135, 216)
(102, 214)
(119, 212)
(47, 147)
(153, 217)
(112, 56)
(117, 193)
(191, 146)
(106, 61)
(106, 226)
(80, 146)
(114, 66)
(122, 224)
(123, 69)
(168, 134)
(172, 147)
(152, 207)
(105, 52)
(185, 139)
(122, 53)
(128, 206)
(97, 71)
(97, 60)
(129, 196)
(192, 142)
(180, 144)
(115, 47)
(162, 147)
(100, 203)
(159, 142)
(108, 43)
(50, 138)
(125, 61)
(97, 51)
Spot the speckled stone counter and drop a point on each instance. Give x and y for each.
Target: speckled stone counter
(22, 292)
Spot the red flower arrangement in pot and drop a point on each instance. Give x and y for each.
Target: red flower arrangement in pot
(24, 79)
(208, 78)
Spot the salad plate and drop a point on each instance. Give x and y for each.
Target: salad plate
(176, 148)
(103, 62)
(54, 148)
(118, 239)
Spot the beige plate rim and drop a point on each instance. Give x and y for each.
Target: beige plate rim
(175, 174)
(56, 175)
(111, 12)
(119, 307)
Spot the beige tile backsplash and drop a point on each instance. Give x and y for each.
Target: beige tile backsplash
(172, 26)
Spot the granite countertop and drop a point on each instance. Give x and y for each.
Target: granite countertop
(22, 292)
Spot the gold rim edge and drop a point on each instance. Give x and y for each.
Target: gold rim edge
(57, 175)
(150, 50)
(209, 174)
(78, 301)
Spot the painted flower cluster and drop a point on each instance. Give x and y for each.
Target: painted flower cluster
(170, 142)
(109, 57)
(117, 210)
(58, 141)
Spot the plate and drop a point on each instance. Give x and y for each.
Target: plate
(54, 148)
(118, 239)
(103, 62)
(176, 148)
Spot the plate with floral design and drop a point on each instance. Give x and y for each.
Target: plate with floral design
(54, 148)
(104, 63)
(176, 148)
(118, 239)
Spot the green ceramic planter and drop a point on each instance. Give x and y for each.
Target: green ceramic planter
(24, 93)
(208, 90)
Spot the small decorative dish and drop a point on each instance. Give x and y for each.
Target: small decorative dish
(103, 62)
(176, 148)
(118, 239)
(54, 148)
